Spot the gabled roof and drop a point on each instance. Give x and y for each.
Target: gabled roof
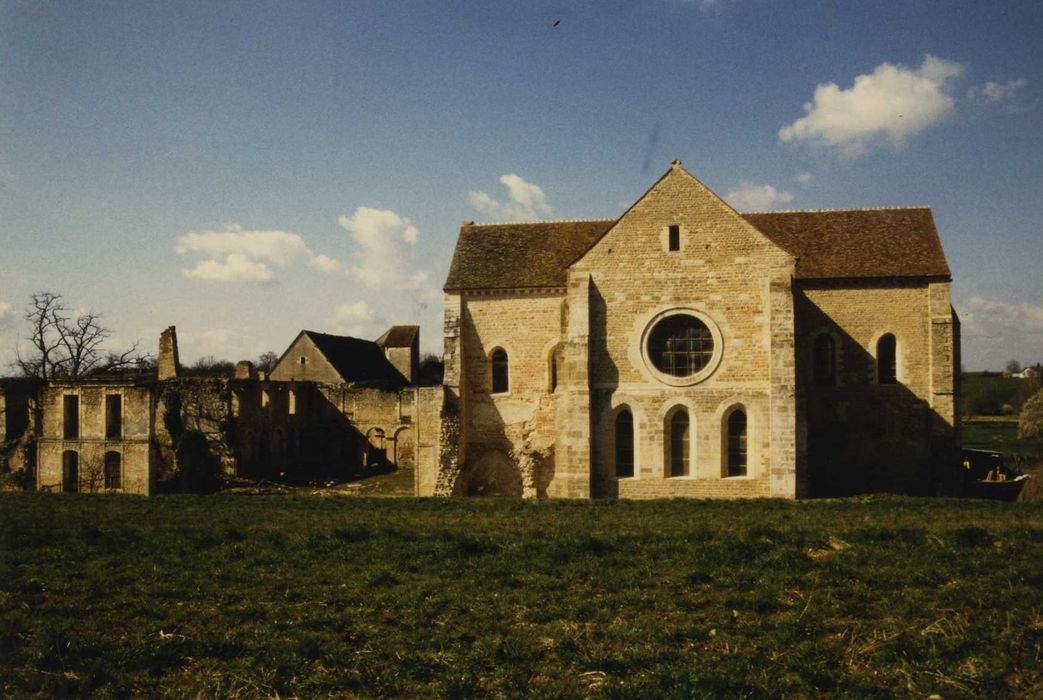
(510, 255)
(842, 244)
(354, 359)
(857, 242)
(399, 337)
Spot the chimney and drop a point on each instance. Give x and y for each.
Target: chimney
(244, 369)
(168, 362)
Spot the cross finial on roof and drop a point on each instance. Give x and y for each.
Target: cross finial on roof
(676, 164)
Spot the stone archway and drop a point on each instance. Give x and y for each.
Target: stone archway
(376, 448)
(494, 474)
(405, 448)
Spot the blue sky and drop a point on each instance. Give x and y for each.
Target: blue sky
(245, 170)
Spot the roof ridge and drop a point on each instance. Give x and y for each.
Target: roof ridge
(838, 209)
(536, 221)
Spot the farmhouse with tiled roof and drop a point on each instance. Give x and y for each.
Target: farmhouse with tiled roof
(685, 349)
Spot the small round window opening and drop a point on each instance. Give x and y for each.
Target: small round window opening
(680, 346)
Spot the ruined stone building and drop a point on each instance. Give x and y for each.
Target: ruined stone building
(332, 406)
(685, 349)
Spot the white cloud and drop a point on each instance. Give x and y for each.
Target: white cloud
(892, 103)
(386, 242)
(750, 197)
(804, 177)
(222, 343)
(324, 263)
(235, 254)
(993, 317)
(706, 5)
(996, 92)
(234, 268)
(355, 311)
(526, 201)
(996, 330)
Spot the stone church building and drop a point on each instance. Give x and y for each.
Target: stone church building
(687, 350)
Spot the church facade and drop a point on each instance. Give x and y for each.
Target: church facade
(687, 350)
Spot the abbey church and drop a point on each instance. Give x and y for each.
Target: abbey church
(687, 350)
(680, 350)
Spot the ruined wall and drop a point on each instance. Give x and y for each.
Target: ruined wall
(430, 402)
(505, 430)
(864, 436)
(735, 280)
(19, 419)
(91, 444)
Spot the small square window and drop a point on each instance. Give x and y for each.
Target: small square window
(675, 238)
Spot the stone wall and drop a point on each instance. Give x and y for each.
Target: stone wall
(730, 276)
(504, 426)
(430, 402)
(314, 368)
(19, 418)
(90, 446)
(864, 436)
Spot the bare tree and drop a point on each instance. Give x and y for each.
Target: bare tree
(267, 361)
(1013, 366)
(68, 346)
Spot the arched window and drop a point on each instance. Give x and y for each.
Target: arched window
(679, 443)
(70, 471)
(624, 444)
(886, 360)
(736, 443)
(113, 471)
(823, 361)
(500, 371)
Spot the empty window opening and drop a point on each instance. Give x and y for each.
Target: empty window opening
(553, 372)
(113, 416)
(886, 360)
(737, 444)
(291, 404)
(500, 371)
(265, 398)
(674, 242)
(71, 417)
(70, 471)
(113, 470)
(679, 443)
(824, 365)
(304, 361)
(624, 444)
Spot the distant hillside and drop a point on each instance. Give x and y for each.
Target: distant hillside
(986, 393)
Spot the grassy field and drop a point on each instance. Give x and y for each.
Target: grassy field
(987, 393)
(237, 596)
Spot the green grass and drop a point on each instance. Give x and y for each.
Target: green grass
(986, 394)
(998, 435)
(227, 596)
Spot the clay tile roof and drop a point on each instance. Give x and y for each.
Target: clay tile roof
(828, 244)
(510, 255)
(356, 360)
(857, 242)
